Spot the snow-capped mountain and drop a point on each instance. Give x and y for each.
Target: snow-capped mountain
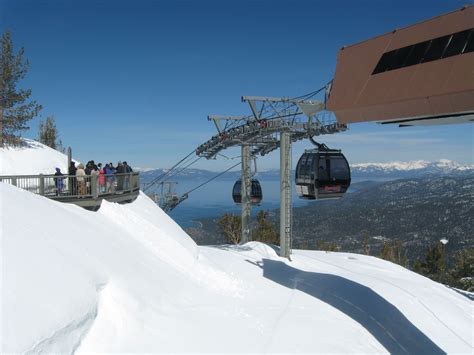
(414, 168)
(391, 170)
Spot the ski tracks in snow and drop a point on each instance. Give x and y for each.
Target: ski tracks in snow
(427, 309)
(282, 314)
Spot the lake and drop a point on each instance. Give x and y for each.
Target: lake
(215, 198)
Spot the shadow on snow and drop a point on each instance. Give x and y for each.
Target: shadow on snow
(379, 317)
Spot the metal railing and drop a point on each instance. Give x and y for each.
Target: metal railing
(70, 187)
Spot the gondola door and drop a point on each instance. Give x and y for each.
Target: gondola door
(333, 176)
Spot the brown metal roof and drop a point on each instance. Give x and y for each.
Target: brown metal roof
(436, 88)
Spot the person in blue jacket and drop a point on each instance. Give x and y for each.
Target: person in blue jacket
(109, 172)
(58, 181)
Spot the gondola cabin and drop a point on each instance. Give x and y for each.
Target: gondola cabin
(322, 175)
(255, 192)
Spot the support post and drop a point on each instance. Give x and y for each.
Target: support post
(245, 192)
(285, 195)
(69, 158)
(94, 186)
(70, 180)
(41, 185)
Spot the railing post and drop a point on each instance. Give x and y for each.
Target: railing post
(69, 157)
(41, 187)
(94, 190)
(14, 183)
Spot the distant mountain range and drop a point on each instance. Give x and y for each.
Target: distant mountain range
(415, 168)
(367, 171)
(416, 211)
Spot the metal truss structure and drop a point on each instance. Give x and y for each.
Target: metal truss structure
(274, 123)
(261, 130)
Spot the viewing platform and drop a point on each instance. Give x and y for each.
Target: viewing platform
(85, 191)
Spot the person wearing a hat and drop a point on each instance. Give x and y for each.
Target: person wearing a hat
(58, 181)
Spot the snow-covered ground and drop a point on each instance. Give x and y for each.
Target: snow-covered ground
(128, 279)
(32, 159)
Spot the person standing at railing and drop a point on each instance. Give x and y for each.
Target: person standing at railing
(81, 179)
(88, 170)
(110, 171)
(120, 175)
(58, 181)
(94, 176)
(128, 170)
(101, 178)
(72, 181)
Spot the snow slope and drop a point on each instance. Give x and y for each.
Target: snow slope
(128, 279)
(33, 159)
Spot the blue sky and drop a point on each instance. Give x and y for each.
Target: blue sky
(135, 80)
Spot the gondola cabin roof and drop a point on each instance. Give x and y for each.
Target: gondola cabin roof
(421, 74)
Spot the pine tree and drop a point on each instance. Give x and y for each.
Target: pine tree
(393, 251)
(387, 252)
(399, 254)
(365, 245)
(434, 265)
(322, 245)
(15, 110)
(463, 271)
(48, 133)
(265, 231)
(230, 225)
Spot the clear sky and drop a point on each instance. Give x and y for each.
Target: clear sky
(135, 80)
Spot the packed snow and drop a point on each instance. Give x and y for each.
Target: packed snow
(32, 159)
(128, 279)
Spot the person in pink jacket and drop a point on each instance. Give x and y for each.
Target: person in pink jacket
(101, 178)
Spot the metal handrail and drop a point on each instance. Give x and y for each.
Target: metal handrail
(69, 187)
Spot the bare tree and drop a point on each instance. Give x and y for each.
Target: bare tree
(230, 225)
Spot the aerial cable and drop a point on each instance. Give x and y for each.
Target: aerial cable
(187, 162)
(155, 180)
(184, 168)
(186, 195)
(313, 93)
(213, 178)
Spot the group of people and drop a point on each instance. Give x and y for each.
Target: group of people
(109, 178)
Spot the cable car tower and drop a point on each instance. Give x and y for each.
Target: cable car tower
(273, 123)
(168, 199)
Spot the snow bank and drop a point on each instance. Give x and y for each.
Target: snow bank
(67, 270)
(128, 279)
(33, 159)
